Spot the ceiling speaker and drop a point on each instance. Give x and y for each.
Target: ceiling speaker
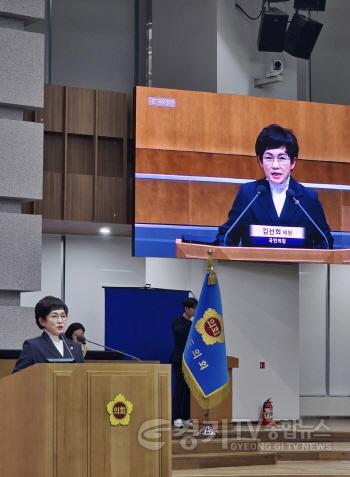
(272, 31)
(301, 36)
(317, 5)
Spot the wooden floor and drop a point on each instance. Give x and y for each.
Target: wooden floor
(324, 453)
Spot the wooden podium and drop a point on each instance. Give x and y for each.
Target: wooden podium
(263, 254)
(54, 421)
(224, 409)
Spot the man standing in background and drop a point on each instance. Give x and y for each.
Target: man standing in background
(181, 327)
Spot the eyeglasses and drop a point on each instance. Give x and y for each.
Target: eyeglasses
(58, 317)
(282, 160)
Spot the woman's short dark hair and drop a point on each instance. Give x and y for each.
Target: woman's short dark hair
(275, 136)
(73, 327)
(190, 303)
(47, 304)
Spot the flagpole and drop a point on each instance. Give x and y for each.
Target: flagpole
(207, 329)
(207, 429)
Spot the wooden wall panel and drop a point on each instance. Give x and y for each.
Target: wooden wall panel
(200, 203)
(79, 197)
(229, 165)
(229, 124)
(110, 204)
(162, 202)
(111, 114)
(52, 203)
(196, 164)
(332, 201)
(209, 203)
(346, 217)
(81, 110)
(110, 157)
(53, 152)
(85, 135)
(322, 172)
(53, 114)
(80, 154)
(346, 210)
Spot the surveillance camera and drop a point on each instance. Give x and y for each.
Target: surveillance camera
(277, 65)
(275, 71)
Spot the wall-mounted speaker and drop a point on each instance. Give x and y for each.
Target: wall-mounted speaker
(301, 36)
(317, 5)
(272, 31)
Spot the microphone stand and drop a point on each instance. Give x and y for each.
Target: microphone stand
(62, 337)
(297, 202)
(258, 193)
(112, 349)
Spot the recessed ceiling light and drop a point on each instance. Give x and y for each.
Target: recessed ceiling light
(105, 230)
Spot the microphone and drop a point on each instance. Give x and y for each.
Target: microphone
(83, 340)
(291, 194)
(260, 190)
(62, 337)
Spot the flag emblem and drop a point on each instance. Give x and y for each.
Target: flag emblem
(119, 410)
(210, 327)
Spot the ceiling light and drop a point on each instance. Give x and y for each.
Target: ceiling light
(105, 231)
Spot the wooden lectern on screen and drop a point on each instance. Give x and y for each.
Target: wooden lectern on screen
(54, 421)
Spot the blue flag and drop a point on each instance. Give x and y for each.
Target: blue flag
(204, 361)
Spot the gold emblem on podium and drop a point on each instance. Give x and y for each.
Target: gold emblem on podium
(210, 326)
(119, 411)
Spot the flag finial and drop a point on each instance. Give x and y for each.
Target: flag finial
(210, 268)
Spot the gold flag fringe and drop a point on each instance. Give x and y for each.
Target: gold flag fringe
(205, 402)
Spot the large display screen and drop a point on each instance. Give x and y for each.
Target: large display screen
(250, 178)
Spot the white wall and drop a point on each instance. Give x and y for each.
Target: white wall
(325, 406)
(91, 264)
(261, 323)
(93, 44)
(339, 307)
(312, 328)
(175, 274)
(313, 335)
(51, 271)
(330, 67)
(184, 44)
(239, 60)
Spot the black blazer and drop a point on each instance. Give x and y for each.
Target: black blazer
(181, 328)
(38, 350)
(263, 212)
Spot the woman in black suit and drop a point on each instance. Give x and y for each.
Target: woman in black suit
(51, 315)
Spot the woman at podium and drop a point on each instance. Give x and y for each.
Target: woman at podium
(276, 211)
(51, 315)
